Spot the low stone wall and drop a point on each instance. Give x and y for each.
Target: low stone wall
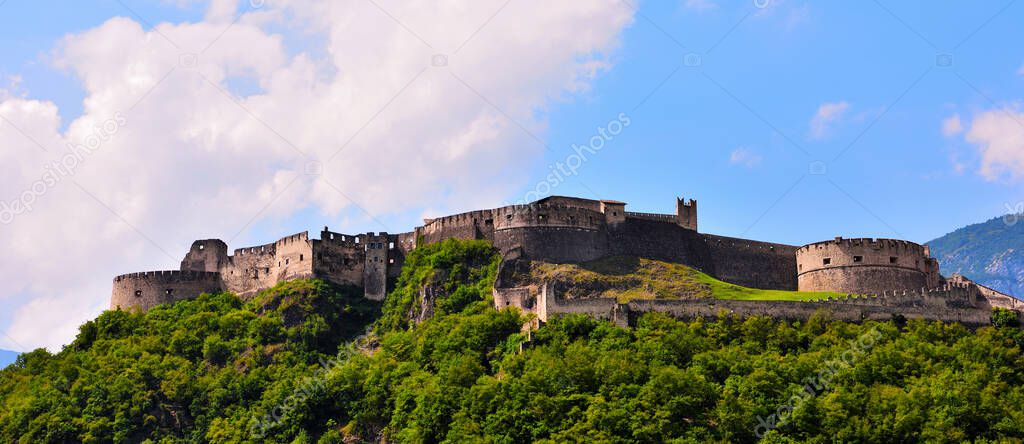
(946, 305)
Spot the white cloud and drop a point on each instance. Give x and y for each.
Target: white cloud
(12, 87)
(951, 126)
(745, 157)
(828, 114)
(999, 137)
(190, 162)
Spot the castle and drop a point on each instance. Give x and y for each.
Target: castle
(902, 276)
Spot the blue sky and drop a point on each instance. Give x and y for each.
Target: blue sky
(793, 122)
(760, 87)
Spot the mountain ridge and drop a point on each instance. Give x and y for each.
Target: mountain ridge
(991, 253)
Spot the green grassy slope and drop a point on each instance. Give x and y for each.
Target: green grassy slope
(627, 278)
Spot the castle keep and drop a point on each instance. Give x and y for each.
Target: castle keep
(562, 229)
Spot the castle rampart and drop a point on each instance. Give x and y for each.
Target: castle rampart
(866, 266)
(148, 289)
(339, 257)
(251, 269)
(670, 218)
(947, 304)
(563, 229)
(206, 255)
(753, 264)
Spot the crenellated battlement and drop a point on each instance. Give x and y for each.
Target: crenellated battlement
(954, 303)
(548, 216)
(169, 275)
(956, 295)
(865, 265)
(457, 219)
(896, 245)
(670, 218)
(888, 273)
(258, 250)
(298, 237)
(145, 290)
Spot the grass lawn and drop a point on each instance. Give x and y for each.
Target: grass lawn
(627, 278)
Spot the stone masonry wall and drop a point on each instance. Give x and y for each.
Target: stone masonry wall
(753, 264)
(339, 258)
(250, 269)
(949, 304)
(149, 289)
(561, 230)
(551, 233)
(465, 226)
(864, 266)
(206, 255)
(660, 240)
(294, 257)
(375, 279)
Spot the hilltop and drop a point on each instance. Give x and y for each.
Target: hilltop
(307, 361)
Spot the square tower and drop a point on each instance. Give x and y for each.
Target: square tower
(614, 211)
(375, 275)
(686, 213)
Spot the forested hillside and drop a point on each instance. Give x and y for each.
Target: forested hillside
(306, 362)
(990, 253)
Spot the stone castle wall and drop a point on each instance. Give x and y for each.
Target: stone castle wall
(551, 233)
(464, 226)
(963, 304)
(649, 238)
(560, 230)
(340, 258)
(148, 289)
(206, 255)
(865, 266)
(753, 264)
(375, 270)
(250, 269)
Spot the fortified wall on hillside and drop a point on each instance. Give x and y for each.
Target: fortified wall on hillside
(555, 229)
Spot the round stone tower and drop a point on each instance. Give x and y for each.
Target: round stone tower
(865, 266)
(149, 289)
